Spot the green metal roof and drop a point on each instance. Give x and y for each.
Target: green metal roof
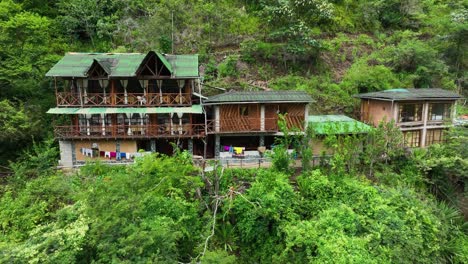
(58, 110)
(336, 124)
(166, 63)
(184, 65)
(401, 94)
(76, 64)
(194, 109)
(259, 97)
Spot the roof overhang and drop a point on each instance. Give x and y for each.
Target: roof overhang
(258, 102)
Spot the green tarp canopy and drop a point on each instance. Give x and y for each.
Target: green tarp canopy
(195, 109)
(336, 124)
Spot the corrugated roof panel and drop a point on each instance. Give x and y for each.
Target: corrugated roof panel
(78, 64)
(63, 110)
(401, 94)
(336, 124)
(165, 61)
(121, 64)
(127, 65)
(183, 65)
(264, 96)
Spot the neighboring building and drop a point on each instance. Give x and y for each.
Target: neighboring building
(339, 125)
(421, 114)
(117, 104)
(250, 119)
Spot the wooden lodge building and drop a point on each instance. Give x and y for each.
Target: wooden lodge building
(116, 106)
(421, 114)
(250, 119)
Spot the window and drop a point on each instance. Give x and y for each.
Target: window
(243, 111)
(282, 109)
(95, 120)
(108, 120)
(439, 112)
(121, 118)
(136, 119)
(434, 136)
(412, 138)
(410, 112)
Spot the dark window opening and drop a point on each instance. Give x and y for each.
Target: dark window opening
(438, 112)
(410, 112)
(243, 110)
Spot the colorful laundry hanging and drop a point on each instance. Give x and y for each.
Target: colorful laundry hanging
(238, 150)
(87, 152)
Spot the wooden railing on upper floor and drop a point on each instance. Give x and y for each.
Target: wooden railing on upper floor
(241, 125)
(122, 99)
(131, 131)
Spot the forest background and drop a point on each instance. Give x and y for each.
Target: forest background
(401, 211)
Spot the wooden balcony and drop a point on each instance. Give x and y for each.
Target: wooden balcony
(121, 99)
(248, 125)
(131, 131)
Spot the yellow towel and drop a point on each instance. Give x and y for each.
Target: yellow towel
(238, 150)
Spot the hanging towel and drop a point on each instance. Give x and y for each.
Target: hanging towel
(128, 155)
(107, 154)
(82, 151)
(113, 154)
(238, 150)
(101, 153)
(231, 149)
(123, 155)
(226, 148)
(89, 152)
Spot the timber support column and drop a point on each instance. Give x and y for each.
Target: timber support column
(262, 117)
(217, 145)
(153, 145)
(217, 122)
(190, 146)
(424, 117)
(306, 117)
(117, 146)
(396, 112)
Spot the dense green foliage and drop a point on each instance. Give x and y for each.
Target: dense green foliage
(377, 204)
(163, 209)
(332, 49)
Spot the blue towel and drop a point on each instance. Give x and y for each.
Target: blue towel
(123, 155)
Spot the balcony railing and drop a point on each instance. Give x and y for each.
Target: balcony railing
(122, 99)
(131, 131)
(252, 125)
